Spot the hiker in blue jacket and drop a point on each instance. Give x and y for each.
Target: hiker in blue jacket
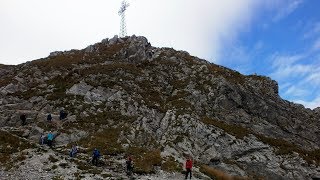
(95, 156)
(50, 139)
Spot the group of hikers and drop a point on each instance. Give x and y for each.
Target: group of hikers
(129, 162)
(62, 115)
(96, 155)
(45, 139)
(48, 139)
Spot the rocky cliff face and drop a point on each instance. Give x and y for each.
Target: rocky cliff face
(124, 96)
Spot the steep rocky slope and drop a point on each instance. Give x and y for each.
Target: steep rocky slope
(124, 96)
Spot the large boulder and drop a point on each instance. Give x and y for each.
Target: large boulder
(81, 88)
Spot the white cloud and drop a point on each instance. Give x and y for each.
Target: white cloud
(310, 104)
(295, 91)
(316, 45)
(314, 77)
(201, 28)
(298, 76)
(279, 61)
(312, 30)
(258, 45)
(292, 71)
(286, 9)
(289, 66)
(34, 28)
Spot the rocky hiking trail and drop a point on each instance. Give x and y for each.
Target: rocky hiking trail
(43, 162)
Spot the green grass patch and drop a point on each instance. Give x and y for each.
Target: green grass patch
(61, 84)
(54, 167)
(95, 171)
(11, 144)
(282, 146)
(52, 159)
(228, 74)
(285, 147)
(105, 141)
(236, 130)
(29, 93)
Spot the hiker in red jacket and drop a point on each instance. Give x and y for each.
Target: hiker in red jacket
(188, 167)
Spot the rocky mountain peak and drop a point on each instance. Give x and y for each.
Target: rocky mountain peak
(124, 96)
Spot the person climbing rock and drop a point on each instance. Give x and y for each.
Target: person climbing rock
(95, 156)
(49, 118)
(50, 139)
(129, 164)
(42, 139)
(23, 119)
(73, 151)
(63, 114)
(188, 167)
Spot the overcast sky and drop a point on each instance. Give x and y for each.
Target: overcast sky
(276, 38)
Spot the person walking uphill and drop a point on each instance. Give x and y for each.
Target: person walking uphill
(95, 156)
(23, 119)
(129, 165)
(50, 139)
(49, 118)
(188, 167)
(73, 151)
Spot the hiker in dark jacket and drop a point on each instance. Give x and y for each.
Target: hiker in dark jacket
(129, 165)
(23, 119)
(49, 118)
(63, 114)
(188, 167)
(95, 156)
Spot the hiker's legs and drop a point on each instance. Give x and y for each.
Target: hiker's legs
(95, 161)
(50, 143)
(129, 170)
(187, 173)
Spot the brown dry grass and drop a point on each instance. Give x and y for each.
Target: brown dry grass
(171, 165)
(145, 162)
(218, 174)
(11, 144)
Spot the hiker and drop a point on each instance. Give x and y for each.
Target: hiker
(63, 114)
(50, 139)
(49, 118)
(42, 139)
(73, 151)
(95, 156)
(23, 119)
(129, 165)
(188, 167)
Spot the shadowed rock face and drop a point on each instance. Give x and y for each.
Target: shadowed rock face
(159, 98)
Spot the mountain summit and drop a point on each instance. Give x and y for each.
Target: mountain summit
(158, 105)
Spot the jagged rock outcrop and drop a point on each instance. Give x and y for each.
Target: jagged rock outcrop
(161, 105)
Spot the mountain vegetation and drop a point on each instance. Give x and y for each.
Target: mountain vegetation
(158, 105)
